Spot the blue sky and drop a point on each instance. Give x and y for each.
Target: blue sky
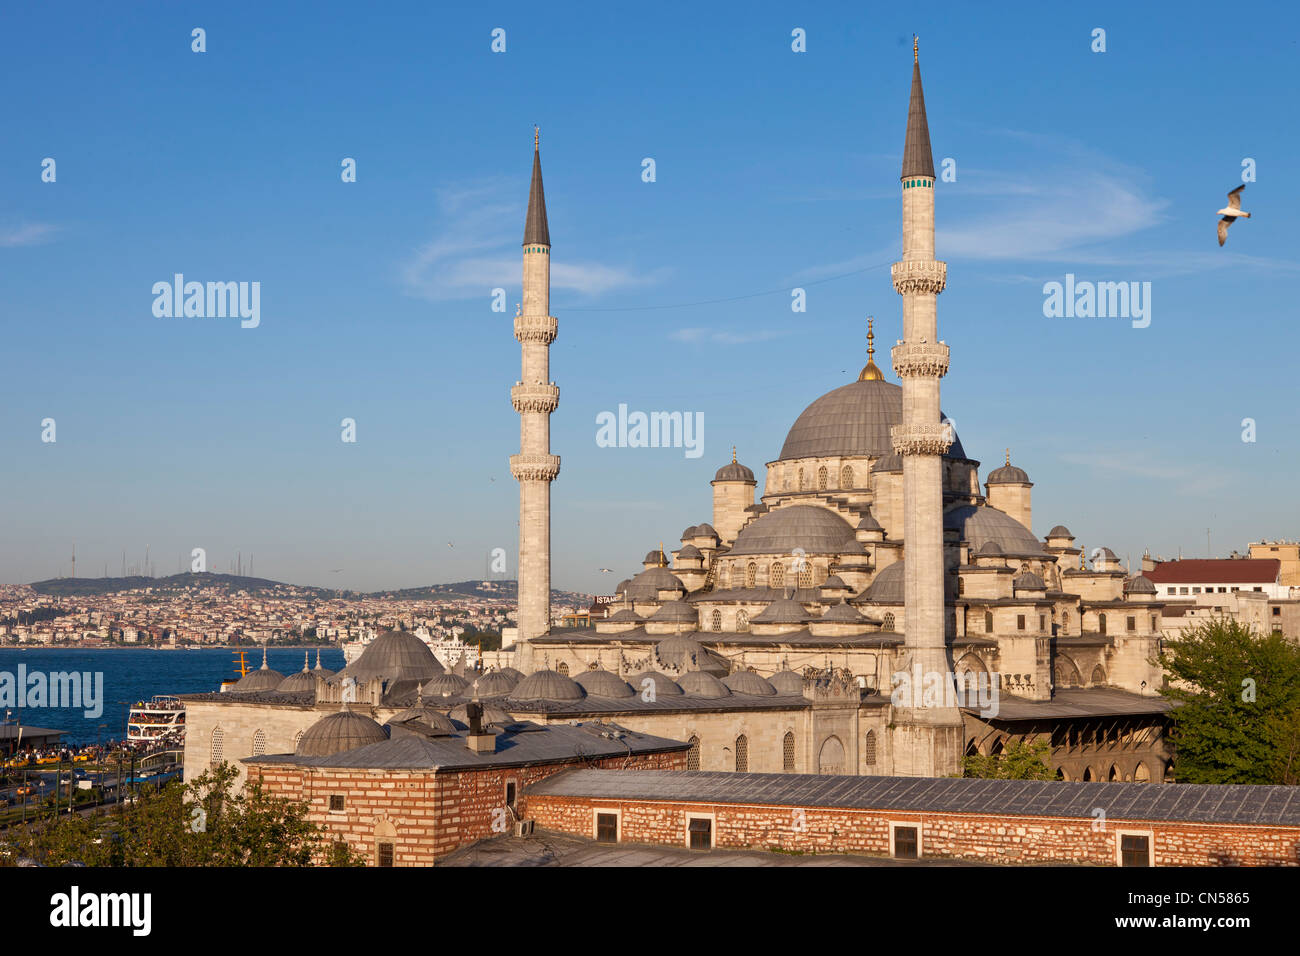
(774, 170)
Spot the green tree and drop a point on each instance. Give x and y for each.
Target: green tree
(1237, 692)
(1019, 761)
(209, 822)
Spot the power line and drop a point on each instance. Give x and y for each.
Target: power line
(734, 298)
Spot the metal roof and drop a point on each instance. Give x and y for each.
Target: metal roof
(1191, 803)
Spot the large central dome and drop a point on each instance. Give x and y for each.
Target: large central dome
(851, 421)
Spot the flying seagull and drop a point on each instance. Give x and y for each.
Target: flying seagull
(604, 570)
(1230, 213)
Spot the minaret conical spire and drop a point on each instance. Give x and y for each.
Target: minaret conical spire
(535, 230)
(917, 158)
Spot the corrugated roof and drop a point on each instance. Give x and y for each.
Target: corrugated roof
(1192, 803)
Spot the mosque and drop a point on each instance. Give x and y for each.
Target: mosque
(776, 636)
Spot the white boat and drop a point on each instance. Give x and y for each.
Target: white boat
(157, 721)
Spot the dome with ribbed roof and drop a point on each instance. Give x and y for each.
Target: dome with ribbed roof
(842, 614)
(747, 682)
(664, 686)
(515, 675)
(835, 583)
(1028, 580)
(869, 523)
(700, 684)
(782, 611)
(494, 684)
(657, 558)
(262, 679)
(393, 656)
(680, 651)
(689, 551)
(444, 685)
(990, 549)
(676, 612)
(705, 531)
(602, 683)
(548, 685)
(1060, 531)
(733, 471)
(338, 732)
(853, 420)
(298, 683)
(647, 585)
(690, 532)
(979, 524)
(1139, 584)
(888, 464)
(1008, 474)
(815, 530)
(625, 615)
(787, 683)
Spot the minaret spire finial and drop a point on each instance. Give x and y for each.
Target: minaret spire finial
(1008, 456)
(537, 138)
(916, 49)
(870, 372)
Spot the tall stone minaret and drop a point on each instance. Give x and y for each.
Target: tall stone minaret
(535, 396)
(928, 735)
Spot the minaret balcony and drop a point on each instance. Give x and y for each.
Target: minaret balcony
(536, 328)
(921, 438)
(535, 398)
(919, 275)
(535, 467)
(926, 359)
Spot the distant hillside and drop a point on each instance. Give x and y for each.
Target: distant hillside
(232, 584)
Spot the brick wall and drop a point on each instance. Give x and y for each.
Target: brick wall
(424, 814)
(997, 839)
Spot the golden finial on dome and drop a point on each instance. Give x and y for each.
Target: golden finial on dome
(870, 373)
(1008, 456)
(661, 554)
(733, 454)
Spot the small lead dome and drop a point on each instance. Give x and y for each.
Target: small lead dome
(338, 732)
(548, 685)
(601, 683)
(747, 682)
(661, 684)
(700, 684)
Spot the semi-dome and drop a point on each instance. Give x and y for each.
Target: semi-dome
(394, 655)
(835, 583)
(1139, 584)
(492, 714)
(979, 524)
(444, 685)
(548, 685)
(842, 614)
(700, 684)
(851, 421)
(990, 549)
(625, 615)
(602, 683)
(887, 588)
(664, 686)
(425, 715)
(890, 463)
(787, 683)
(335, 733)
(689, 551)
(815, 530)
(869, 523)
(494, 684)
(747, 682)
(782, 611)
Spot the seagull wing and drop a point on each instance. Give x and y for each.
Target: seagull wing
(1224, 223)
(1234, 197)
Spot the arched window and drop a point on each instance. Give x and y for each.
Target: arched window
(823, 478)
(742, 621)
(787, 752)
(1065, 622)
(217, 753)
(693, 755)
(846, 477)
(563, 668)
(777, 575)
(806, 576)
(988, 622)
(751, 574)
(296, 737)
(1098, 676)
(1101, 623)
(961, 585)
(716, 619)
(801, 479)
(1141, 774)
(259, 743)
(869, 749)
(889, 621)
(831, 757)
(742, 754)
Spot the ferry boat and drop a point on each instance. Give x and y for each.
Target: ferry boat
(159, 720)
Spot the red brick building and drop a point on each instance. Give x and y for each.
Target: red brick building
(428, 789)
(994, 821)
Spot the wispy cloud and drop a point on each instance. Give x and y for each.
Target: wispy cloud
(27, 234)
(1187, 479)
(725, 336)
(476, 249)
